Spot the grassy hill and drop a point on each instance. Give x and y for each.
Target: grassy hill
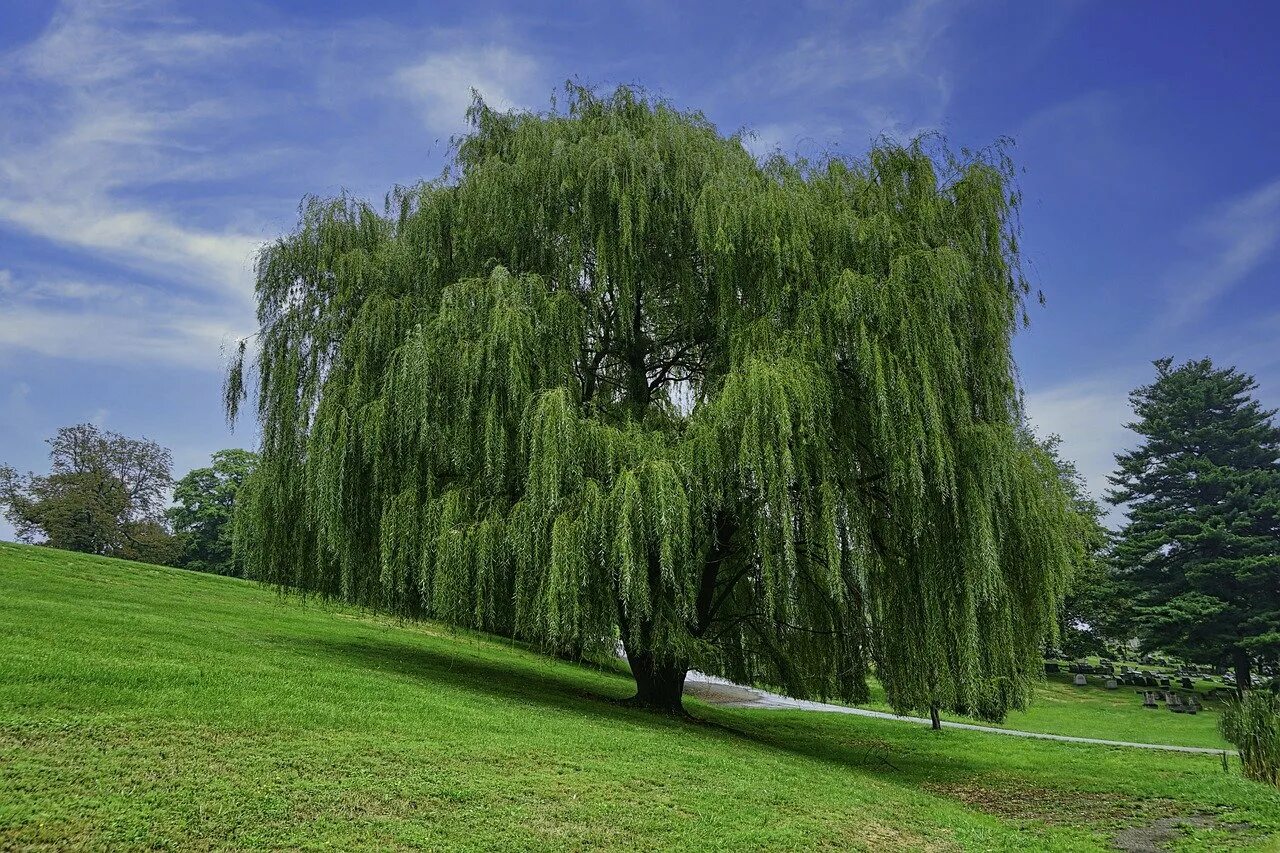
(150, 707)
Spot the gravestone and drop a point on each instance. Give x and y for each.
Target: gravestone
(1175, 703)
(1149, 699)
(1187, 684)
(1052, 667)
(1192, 705)
(1080, 679)
(1111, 684)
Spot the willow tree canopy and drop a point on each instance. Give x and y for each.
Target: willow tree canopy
(613, 377)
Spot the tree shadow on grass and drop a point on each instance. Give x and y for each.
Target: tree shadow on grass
(947, 767)
(596, 693)
(538, 679)
(848, 742)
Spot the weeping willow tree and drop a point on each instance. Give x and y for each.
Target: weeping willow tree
(612, 378)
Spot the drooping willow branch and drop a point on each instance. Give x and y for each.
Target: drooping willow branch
(614, 377)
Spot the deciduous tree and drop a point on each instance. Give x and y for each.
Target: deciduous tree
(104, 494)
(613, 377)
(1095, 608)
(204, 506)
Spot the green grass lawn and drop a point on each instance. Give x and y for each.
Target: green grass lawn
(151, 707)
(1093, 711)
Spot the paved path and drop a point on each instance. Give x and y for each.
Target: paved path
(712, 689)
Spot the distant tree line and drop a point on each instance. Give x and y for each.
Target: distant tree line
(108, 494)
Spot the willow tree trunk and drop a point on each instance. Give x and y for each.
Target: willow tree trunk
(659, 681)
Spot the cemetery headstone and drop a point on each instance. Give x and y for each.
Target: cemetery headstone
(1080, 679)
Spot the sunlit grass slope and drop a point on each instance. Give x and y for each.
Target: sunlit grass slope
(1062, 708)
(150, 707)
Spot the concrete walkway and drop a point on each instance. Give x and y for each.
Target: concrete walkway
(709, 688)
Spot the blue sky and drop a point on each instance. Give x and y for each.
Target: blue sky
(147, 149)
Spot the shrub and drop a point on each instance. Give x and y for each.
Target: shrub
(1252, 723)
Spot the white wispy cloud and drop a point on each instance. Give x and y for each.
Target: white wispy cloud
(100, 109)
(62, 289)
(897, 47)
(1089, 414)
(1232, 241)
(1214, 252)
(882, 74)
(441, 82)
(150, 148)
(109, 102)
(171, 336)
(122, 322)
(1082, 131)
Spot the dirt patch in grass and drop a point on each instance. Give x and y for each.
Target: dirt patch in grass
(1160, 834)
(1140, 825)
(1062, 808)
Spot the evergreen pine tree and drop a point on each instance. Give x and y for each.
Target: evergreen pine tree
(1200, 553)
